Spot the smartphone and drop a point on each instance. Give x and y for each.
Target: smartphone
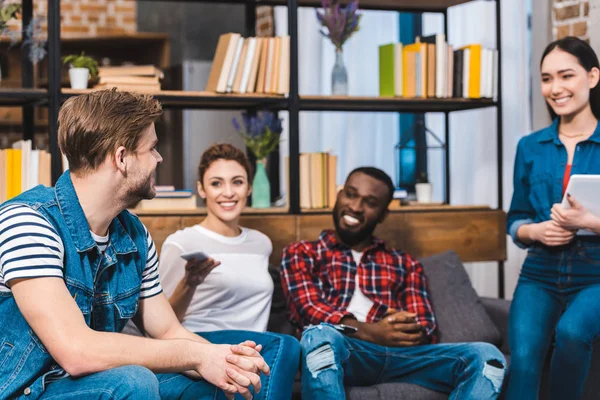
(194, 255)
(345, 328)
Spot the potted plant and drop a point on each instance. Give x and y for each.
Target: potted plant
(261, 133)
(339, 24)
(423, 188)
(82, 68)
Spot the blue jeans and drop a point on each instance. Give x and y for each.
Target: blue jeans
(566, 308)
(281, 353)
(331, 360)
(129, 382)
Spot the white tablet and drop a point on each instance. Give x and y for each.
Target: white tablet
(586, 190)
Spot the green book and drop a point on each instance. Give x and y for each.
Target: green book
(390, 70)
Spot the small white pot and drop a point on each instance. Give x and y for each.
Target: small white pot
(79, 78)
(423, 192)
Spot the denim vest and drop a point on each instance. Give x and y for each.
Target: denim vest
(105, 287)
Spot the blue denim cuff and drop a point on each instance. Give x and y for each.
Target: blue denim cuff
(512, 231)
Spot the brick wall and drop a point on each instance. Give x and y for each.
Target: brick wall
(89, 17)
(571, 18)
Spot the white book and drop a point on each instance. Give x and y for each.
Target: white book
(34, 168)
(441, 65)
(398, 71)
(483, 73)
(466, 72)
(227, 62)
(248, 64)
(234, 65)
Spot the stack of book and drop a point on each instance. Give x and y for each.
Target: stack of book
(432, 68)
(250, 65)
(133, 78)
(167, 198)
(22, 168)
(318, 180)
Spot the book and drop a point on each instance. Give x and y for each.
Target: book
(217, 69)
(252, 79)
(474, 71)
(173, 194)
(234, 64)
(270, 63)
(457, 91)
(262, 70)
(182, 203)
(250, 56)
(130, 79)
(237, 82)
(387, 70)
(141, 70)
(283, 86)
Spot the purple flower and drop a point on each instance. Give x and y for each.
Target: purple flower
(261, 132)
(339, 23)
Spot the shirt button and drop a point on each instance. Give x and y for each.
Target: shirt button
(27, 391)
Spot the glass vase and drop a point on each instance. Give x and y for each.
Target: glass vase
(261, 188)
(339, 76)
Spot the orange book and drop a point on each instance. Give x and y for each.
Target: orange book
(219, 59)
(142, 70)
(283, 86)
(410, 74)
(14, 172)
(254, 67)
(276, 65)
(431, 70)
(270, 63)
(474, 70)
(262, 70)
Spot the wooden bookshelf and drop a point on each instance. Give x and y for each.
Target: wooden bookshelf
(206, 100)
(371, 104)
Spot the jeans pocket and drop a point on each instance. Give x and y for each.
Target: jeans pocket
(591, 253)
(5, 350)
(127, 304)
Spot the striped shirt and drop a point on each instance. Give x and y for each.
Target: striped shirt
(30, 247)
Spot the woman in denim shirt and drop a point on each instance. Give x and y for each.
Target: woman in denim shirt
(557, 300)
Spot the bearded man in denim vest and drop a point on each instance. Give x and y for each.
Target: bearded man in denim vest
(61, 338)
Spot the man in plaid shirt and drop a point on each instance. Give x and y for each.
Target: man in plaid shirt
(365, 309)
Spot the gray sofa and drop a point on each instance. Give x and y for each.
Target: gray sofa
(462, 317)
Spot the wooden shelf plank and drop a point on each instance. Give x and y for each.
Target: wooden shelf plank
(18, 97)
(396, 104)
(206, 100)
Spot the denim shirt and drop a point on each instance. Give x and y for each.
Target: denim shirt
(106, 287)
(538, 175)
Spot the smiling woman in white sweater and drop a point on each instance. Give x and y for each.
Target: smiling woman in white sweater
(227, 297)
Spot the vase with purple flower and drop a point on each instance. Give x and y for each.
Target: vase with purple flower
(261, 133)
(338, 24)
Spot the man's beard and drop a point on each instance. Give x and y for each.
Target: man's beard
(352, 238)
(142, 191)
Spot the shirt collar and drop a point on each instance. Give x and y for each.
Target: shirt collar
(77, 224)
(551, 134)
(330, 241)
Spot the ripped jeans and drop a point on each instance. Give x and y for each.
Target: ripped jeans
(331, 360)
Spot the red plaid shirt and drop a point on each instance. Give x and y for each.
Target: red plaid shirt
(318, 280)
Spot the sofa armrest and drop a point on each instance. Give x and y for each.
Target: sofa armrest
(498, 310)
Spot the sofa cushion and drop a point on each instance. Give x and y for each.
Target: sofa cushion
(278, 318)
(459, 313)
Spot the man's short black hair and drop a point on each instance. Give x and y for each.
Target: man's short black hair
(379, 175)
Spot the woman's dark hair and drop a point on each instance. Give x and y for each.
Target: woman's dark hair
(587, 59)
